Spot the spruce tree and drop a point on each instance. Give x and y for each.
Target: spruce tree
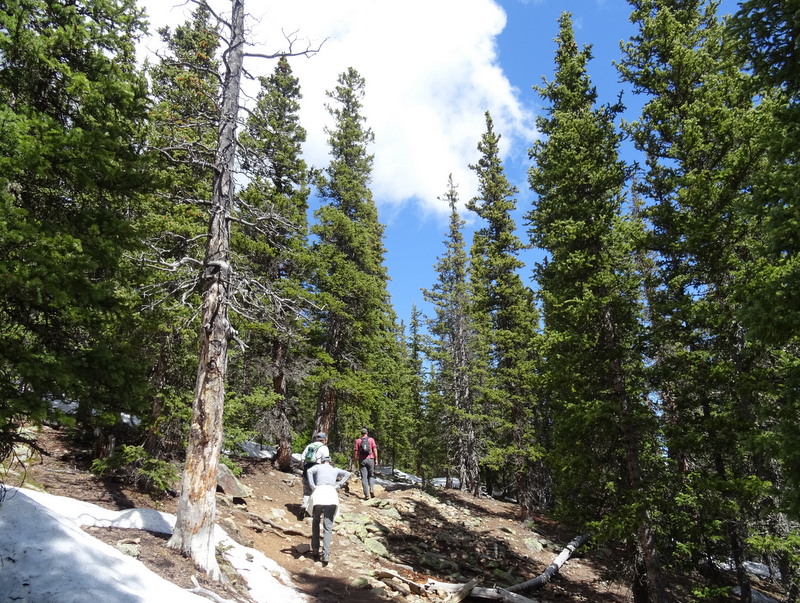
(72, 108)
(772, 278)
(506, 321)
(604, 444)
(355, 326)
(184, 122)
(424, 425)
(452, 400)
(696, 132)
(273, 256)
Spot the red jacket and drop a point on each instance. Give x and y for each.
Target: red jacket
(373, 449)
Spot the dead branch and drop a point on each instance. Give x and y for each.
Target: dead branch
(204, 592)
(291, 39)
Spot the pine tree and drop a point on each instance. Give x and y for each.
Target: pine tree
(604, 441)
(356, 325)
(72, 108)
(770, 281)
(273, 254)
(453, 338)
(184, 123)
(506, 322)
(695, 131)
(425, 427)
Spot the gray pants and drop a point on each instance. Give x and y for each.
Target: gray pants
(326, 513)
(367, 468)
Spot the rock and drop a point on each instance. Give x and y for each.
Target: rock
(758, 596)
(449, 537)
(507, 577)
(302, 548)
(129, 549)
(227, 482)
(376, 527)
(354, 518)
(361, 583)
(229, 525)
(376, 547)
(392, 512)
(23, 453)
(533, 544)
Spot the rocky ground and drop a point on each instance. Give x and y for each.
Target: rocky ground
(381, 548)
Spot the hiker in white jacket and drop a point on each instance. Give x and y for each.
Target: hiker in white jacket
(325, 481)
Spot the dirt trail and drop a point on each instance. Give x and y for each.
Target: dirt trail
(448, 537)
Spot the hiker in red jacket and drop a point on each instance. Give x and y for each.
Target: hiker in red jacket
(365, 454)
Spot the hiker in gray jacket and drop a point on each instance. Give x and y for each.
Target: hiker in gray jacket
(325, 481)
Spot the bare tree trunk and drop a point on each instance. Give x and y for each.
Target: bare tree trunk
(194, 525)
(326, 404)
(283, 458)
(327, 397)
(468, 466)
(153, 442)
(652, 584)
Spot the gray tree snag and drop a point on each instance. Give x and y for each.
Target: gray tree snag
(552, 569)
(196, 514)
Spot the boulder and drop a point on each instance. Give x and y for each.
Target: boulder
(227, 483)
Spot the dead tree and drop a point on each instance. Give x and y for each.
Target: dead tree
(196, 514)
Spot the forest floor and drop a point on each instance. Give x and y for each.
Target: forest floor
(445, 536)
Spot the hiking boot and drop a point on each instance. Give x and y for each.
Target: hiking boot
(372, 495)
(326, 559)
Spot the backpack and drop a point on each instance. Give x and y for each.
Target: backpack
(311, 453)
(364, 447)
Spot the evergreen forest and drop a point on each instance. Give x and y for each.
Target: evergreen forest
(165, 272)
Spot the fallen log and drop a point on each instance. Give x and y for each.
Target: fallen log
(553, 568)
(456, 592)
(499, 594)
(463, 593)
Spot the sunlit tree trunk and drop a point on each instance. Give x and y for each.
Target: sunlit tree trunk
(194, 526)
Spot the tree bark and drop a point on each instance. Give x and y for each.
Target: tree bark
(326, 404)
(196, 514)
(283, 458)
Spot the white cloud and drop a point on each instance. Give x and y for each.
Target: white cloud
(431, 71)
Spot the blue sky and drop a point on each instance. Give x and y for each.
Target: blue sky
(432, 68)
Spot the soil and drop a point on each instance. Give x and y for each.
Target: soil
(483, 536)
